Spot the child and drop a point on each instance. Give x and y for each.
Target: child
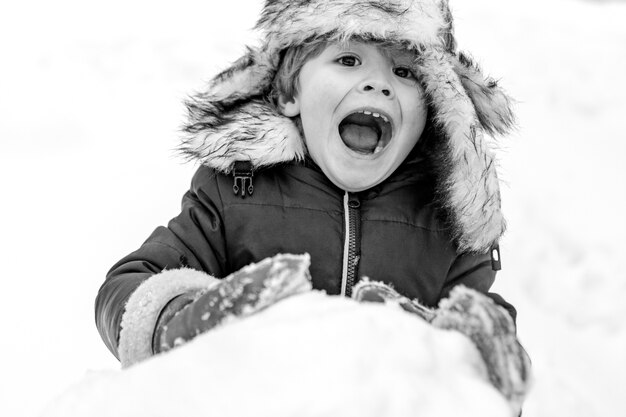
(354, 133)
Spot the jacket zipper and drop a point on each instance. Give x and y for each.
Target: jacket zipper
(352, 242)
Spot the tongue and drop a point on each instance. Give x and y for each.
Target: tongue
(358, 137)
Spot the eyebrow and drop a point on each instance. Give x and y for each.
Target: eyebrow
(396, 53)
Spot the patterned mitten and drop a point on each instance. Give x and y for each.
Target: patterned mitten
(492, 330)
(379, 292)
(241, 294)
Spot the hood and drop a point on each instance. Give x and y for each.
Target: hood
(232, 119)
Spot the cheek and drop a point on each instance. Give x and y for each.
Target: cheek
(317, 95)
(415, 113)
(416, 110)
(317, 110)
(416, 99)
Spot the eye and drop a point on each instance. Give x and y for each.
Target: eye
(349, 60)
(404, 72)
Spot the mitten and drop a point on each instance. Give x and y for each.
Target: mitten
(492, 331)
(241, 294)
(173, 307)
(379, 292)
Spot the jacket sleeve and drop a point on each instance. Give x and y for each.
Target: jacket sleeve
(475, 271)
(183, 257)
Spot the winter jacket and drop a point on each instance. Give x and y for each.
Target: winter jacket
(391, 233)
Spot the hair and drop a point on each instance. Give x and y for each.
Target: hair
(292, 60)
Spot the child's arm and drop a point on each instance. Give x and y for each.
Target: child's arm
(487, 325)
(476, 272)
(242, 293)
(194, 239)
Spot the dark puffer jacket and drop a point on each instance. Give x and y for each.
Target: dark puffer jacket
(389, 233)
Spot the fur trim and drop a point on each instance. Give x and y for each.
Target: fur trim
(145, 304)
(253, 132)
(493, 106)
(233, 119)
(467, 179)
(416, 23)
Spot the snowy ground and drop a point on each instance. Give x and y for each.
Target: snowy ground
(89, 107)
(310, 355)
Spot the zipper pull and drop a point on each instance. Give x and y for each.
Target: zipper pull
(353, 201)
(242, 173)
(496, 263)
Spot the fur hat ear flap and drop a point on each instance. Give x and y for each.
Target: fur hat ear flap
(467, 184)
(232, 120)
(493, 106)
(249, 76)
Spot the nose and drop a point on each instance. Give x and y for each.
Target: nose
(377, 84)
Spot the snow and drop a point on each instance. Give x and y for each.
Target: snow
(89, 107)
(309, 355)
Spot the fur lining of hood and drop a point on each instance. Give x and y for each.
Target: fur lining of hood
(234, 120)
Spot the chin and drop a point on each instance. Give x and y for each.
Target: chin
(354, 171)
(358, 178)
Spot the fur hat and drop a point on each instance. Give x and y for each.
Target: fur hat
(233, 120)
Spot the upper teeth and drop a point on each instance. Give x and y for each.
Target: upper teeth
(382, 116)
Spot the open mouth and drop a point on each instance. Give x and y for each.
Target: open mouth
(365, 132)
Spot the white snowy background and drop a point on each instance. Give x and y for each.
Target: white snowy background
(90, 104)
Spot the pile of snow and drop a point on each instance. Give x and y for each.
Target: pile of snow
(309, 355)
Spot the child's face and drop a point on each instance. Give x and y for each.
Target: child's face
(362, 111)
